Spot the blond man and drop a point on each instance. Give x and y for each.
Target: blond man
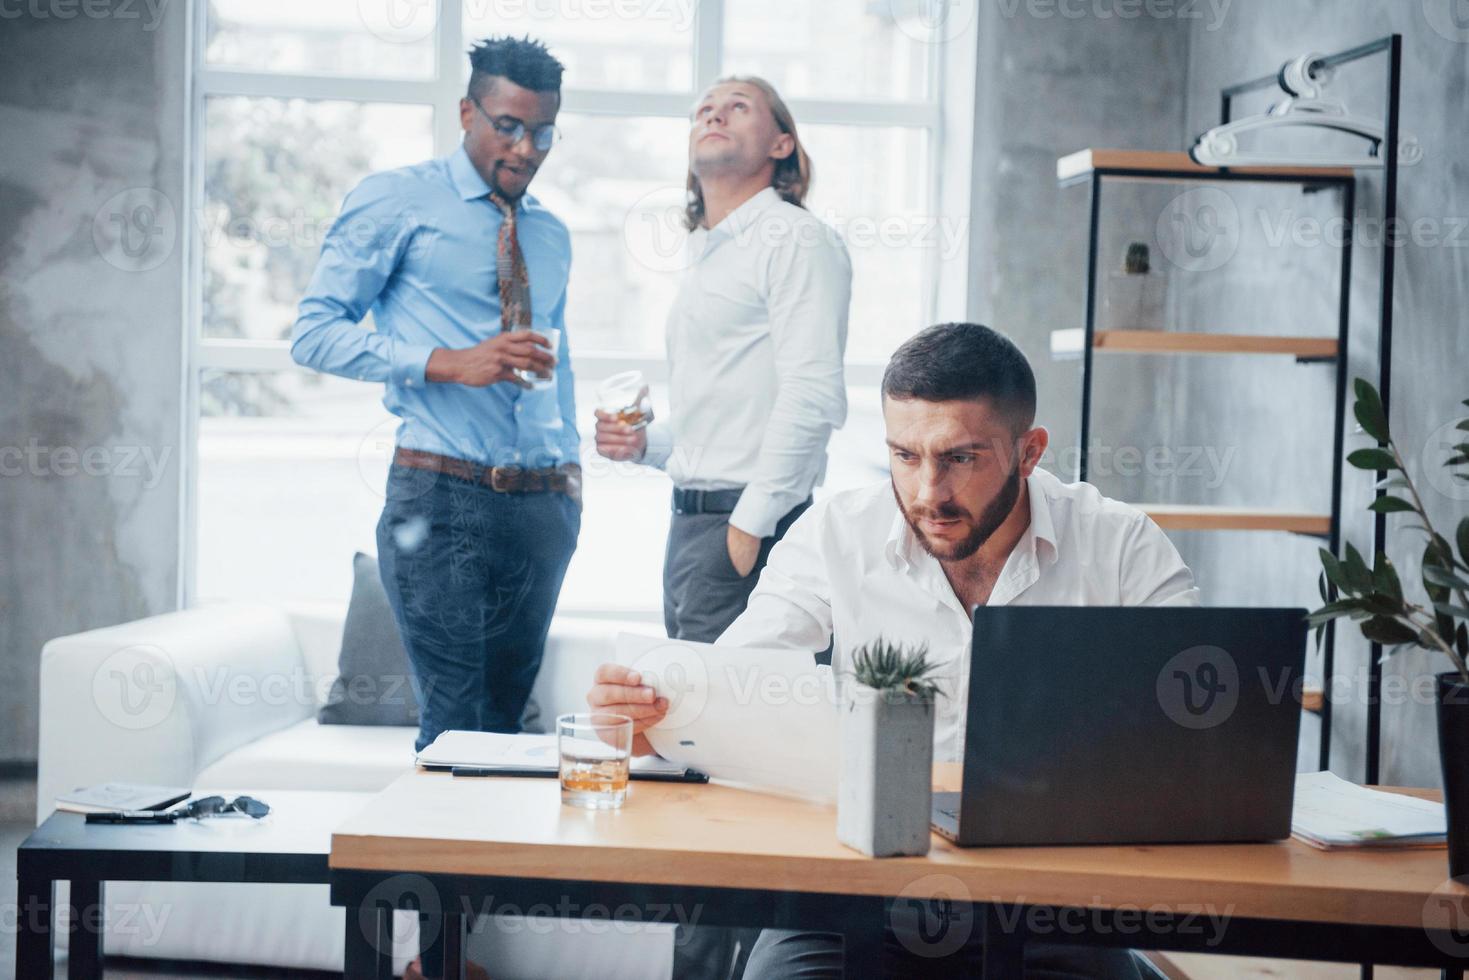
(755, 342)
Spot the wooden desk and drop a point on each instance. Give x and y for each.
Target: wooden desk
(753, 859)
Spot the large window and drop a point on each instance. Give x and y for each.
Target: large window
(295, 102)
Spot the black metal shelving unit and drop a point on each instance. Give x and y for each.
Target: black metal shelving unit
(1095, 170)
(1392, 47)
(1093, 167)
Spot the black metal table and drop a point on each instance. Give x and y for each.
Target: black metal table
(289, 846)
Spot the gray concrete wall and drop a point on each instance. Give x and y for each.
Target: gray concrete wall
(1274, 413)
(1056, 78)
(1050, 84)
(91, 273)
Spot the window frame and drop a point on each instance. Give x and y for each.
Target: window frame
(939, 116)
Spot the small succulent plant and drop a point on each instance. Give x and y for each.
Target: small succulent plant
(897, 669)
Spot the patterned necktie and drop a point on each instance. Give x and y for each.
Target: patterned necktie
(510, 269)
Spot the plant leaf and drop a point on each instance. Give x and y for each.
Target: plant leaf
(1390, 505)
(1393, 483)
(1334, 610)
(1331, 569)
(1463, 424)
(1463, 535)
(1368, 410)
(1358, 577)
(1385, 577)
(1388, 632)
(1448, 610)
(1439, 575)
(1433, 557)
(1372, 459)
(1382, 604)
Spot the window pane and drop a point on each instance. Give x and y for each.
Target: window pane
(371, 38)
(620, 44)
(826, 50)
(618, 182)
(276, 171)
(872, 185)
(291, 473)
(292, 466)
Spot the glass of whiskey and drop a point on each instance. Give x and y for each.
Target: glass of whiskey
(596, 755)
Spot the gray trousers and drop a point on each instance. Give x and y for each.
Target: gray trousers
(784, 954)
(702, 595)
(702, 592)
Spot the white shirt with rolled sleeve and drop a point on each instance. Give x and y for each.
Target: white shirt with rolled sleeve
(851, 570)
(755, 342)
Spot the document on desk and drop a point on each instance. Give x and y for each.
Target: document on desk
(1330, 813)
(766, 719)
(525, 751)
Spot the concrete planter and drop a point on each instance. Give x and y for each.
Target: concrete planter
(885, 790)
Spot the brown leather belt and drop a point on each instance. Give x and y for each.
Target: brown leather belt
(501, 479)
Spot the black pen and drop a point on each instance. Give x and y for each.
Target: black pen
(133, 816)
(687, 776)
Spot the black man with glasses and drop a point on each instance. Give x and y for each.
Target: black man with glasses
(465, 276)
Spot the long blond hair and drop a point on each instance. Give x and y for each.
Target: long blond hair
(792, 176)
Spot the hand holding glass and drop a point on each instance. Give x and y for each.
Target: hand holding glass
(625, 396)
(596, 754)
(540, 382)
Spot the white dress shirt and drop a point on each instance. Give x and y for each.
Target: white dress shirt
(851, 570)
(755, 342)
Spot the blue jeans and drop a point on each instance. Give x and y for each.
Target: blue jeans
(472, 576)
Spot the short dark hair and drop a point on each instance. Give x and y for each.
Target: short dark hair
(525, 62)
(964, 362)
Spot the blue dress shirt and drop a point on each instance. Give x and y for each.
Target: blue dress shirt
(416, 246)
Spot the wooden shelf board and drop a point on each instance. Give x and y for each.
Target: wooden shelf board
(1069, 342)
(1197, 517)
(1083, 162)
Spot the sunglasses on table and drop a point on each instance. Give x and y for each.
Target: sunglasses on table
(208, 806)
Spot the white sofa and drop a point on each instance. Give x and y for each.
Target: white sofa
(226, 696)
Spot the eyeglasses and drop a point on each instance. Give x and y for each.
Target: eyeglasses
(513, 130)
(215, 806)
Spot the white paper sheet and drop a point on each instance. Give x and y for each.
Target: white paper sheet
(766, 719)
(1331, 811)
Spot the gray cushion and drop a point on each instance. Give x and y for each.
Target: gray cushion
(374, 682)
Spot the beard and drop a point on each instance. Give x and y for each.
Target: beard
(981, 528)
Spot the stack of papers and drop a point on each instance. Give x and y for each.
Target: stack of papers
(109, 797)
(1332, 813)
(528, 752)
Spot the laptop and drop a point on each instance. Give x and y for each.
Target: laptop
(1137, 725)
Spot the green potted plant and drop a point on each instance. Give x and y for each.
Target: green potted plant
(885, 788)
(1374, 598)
